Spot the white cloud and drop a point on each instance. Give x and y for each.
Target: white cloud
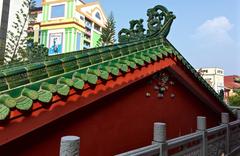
(213, 45)
(215, 32)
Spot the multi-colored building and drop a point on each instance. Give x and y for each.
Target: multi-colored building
(69, 25)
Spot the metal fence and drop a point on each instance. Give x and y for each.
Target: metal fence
(217, 141)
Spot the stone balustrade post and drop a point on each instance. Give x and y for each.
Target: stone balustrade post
(70, 146)
(159, 137)
(225, 121)
(201, 127)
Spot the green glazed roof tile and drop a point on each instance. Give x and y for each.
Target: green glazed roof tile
(78, 83)
(131, 64)
(145, 58)
(24, 103)
(153, 57)
(3, 84)
(82, 76)
(99, 72)
(83, 62)
(106, 56)
(93, 71)
(103, 74)
(116, 53)
(49, 87)
(44, 96)
(113, 70)
(92, 79)
(7, 101)
(137, 61)
(122, 67)
(32, 94)
(4, 112)
(95, 59)
(63, 89)
(66, 81)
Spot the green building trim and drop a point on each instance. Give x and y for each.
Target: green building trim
(96, 36)
(45, 12)
(44, 37)
(69, 9)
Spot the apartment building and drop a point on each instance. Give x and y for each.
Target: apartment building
(214, 76)
(69, 25)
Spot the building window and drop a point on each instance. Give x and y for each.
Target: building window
(97, 27)
(219, 71)
(205, 71)
(97, 15)
(57, 11)
(78, 41)
(82, 18)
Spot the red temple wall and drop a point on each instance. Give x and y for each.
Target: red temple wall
(119, 122)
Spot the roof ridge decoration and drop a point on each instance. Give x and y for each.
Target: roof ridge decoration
(159, 23)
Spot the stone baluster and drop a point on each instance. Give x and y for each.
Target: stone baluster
(159, 136)
(201, 127)
(70, 146)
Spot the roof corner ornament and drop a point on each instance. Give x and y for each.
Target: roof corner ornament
(159, 23)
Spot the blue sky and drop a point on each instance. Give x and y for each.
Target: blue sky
(207, 33)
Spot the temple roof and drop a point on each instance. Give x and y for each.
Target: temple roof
(22, 86)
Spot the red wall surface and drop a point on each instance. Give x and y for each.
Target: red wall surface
(119, 122)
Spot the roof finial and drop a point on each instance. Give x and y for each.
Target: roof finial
(159, 23)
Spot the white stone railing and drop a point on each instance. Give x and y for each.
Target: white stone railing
(217, 141)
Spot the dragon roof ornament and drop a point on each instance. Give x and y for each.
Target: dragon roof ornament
(159, 23)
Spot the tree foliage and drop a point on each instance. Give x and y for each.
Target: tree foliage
(108, 32)
(36, 53)
(17, 38)
(237, 80)
(234, 100)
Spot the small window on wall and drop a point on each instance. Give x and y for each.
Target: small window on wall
(82, 18)
(57, 11)
(97, 15)
(97, 27)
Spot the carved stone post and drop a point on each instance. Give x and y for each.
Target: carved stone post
(201, 127)
(159, 137)
(225, 121)
(70, 146)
